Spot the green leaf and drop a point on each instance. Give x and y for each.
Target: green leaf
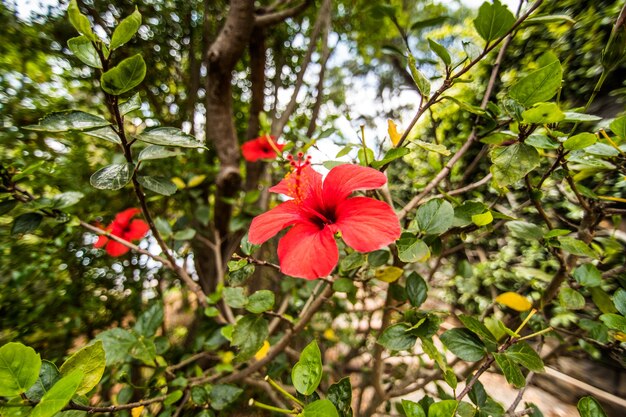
(602, 300)
(319, 408)
(48, 376)
(221, 396)
(576, 247)
(6, 206)
(199, 395)
(619, 299)
(159, 185)
(352, 261)
(421, 82)
(84, 50)
(480, 330)
(432, 147)
(66, 121)
(580, 141)
(511, 163)
(511, 371)
(416, 289)
(185, 234)
(106, 133)
(464, 213)
(144, 350)
(249, 334)
(588, 275)
(157, 152)
(435, 216)
(172, 397)
(391, 155)
(260, 301)
(306, 374)
(493, 20)
(445, 408)
(572, 117)
(463, 344)
(552, 18)
(614, 322)
(235, 297)
(525, 230)
(80, 21)
(59, 395)
(482, 219)
(66, 199)
(618, 127)
(378, 258)
(589, 407)
(112, 177)
(541, 84)
(127, 75)
(90, 361)
(412, 249)
(412, 409)
(125, 30)
(571, 299)
(522, 354)
(133, 103)
(117, 344)
(466, 106)
(340, 394)
(343, 285)
(397, 337)
(543, 113)
(19, 368)
(169, 136)
(150, 320)
(26, 223)
(441, 51)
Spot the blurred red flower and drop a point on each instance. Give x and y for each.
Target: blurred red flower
(125, 227)
(261, 148)
(318, 210)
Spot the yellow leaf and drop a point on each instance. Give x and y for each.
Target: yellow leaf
(392, 130)
(389, 273)
(196, 180)
(136, 412)
(482, 219)
(227, 357)
(620, 336)
(609, 198)
(329, 334)
(514, 301)
(261, 353)
(180, 184)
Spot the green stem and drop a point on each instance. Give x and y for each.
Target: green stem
(254, 403)
(280, 389)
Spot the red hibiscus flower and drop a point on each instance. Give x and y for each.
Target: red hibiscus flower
(261, 148)
(318, 210)
(124, 227)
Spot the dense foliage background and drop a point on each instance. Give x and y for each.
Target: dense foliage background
(505, 159)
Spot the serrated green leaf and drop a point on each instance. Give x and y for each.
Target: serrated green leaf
(352, 261)
(307, 372)
(159, 185)
(511, 371)
(249, 334)
(432, 147)
(541, 84)
(48, 376)
(571, 299)
(576, 246)
(112, 177)
(416, 289)
(412, 409)
(397, 337)
(618, 127)
(463, 344)
(106, 133)
(588, 275)
(125, 30)
(127, 75)
(90, 361)
(435, 216)
(493, 20)
(66, 121)
(511, 163)
(614, 322)
(619, 299)
(445, 408)
(235, 297)
(260, 301)
(117, 344)
(150, 320)
(524, 355)
(169, 136)
(19, 368)
(480, 330)
(84, 50)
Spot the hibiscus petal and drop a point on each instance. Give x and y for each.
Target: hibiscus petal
(123, 217)
(114, 248)
(102, 240)
(266, 225)
(342, 180)
(300, 187)
(259, 148)
(137, 230)
(367, 224)
(307, 251)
